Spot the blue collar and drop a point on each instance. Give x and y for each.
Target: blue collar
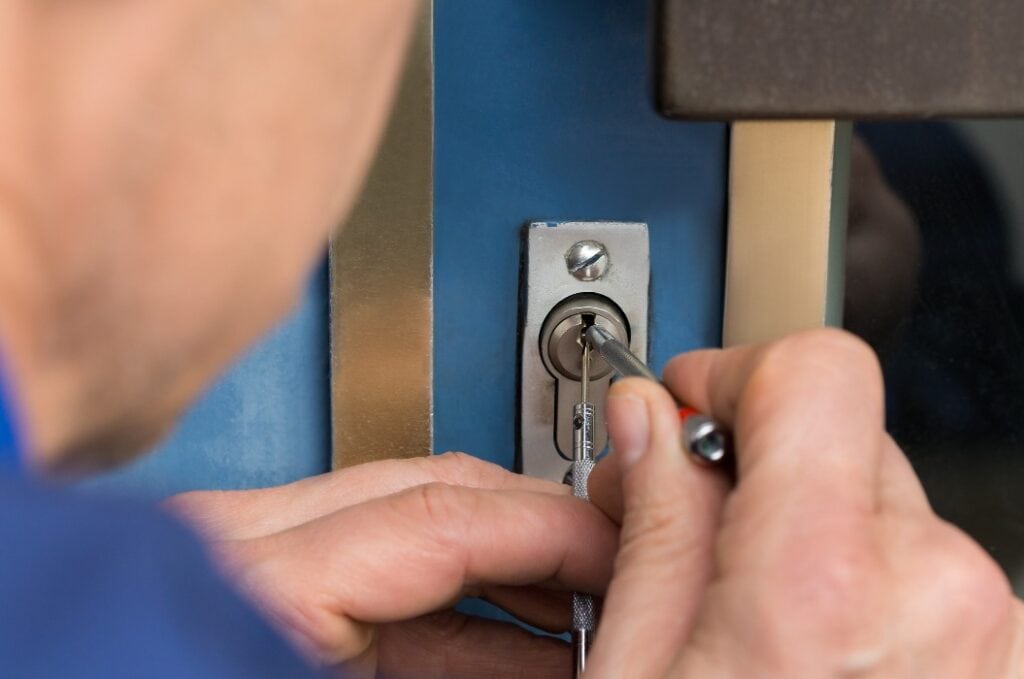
(11, 450)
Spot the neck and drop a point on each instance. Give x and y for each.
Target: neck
(41, 384)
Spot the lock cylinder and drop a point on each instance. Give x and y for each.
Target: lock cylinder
(561, 351)
(561, 336)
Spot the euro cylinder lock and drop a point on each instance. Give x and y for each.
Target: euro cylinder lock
(574, 275)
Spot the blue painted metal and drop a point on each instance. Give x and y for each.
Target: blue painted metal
(266, 422)
(543, 111)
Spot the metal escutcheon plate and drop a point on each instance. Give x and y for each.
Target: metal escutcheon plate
(553, 301)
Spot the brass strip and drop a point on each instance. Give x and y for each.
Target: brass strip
(382, 286)
(788, 184)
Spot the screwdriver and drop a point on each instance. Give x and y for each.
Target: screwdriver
(704, 438)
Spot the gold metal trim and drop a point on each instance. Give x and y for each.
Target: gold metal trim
(382, 286)
(788, 184)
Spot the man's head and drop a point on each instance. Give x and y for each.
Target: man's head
(179, 165)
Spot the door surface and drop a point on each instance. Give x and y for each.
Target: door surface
(540, 111)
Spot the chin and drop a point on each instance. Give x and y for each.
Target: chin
(110, 447)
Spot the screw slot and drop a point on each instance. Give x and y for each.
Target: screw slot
(587, 260)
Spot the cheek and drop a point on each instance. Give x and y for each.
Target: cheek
(101, 67)
(194, 175)
(209, 146)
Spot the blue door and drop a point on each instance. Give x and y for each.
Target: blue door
(544, 112)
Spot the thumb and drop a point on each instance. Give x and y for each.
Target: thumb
(671, 509)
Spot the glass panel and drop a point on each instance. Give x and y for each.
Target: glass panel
(935, 272)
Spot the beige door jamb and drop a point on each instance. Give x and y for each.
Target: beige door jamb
(787, 226)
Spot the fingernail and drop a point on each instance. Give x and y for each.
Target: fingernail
(628, 427)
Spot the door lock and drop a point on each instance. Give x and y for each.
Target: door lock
(575, 274)
(561, 351)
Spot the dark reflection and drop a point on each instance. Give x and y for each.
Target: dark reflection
(930, 285)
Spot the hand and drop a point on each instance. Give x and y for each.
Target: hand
(824, 560)
(349, 562)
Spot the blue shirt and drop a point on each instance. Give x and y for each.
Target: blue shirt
(10, 441)
(100, 588)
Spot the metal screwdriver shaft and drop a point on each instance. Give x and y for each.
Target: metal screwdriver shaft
(584, 618)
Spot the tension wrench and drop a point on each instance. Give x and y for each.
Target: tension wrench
(584, 616)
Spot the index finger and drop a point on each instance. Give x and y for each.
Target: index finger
(807, 415)
(405, 555)
(244, 514)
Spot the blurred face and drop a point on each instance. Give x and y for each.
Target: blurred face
(189, 159)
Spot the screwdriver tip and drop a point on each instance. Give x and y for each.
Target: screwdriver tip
(597, 336)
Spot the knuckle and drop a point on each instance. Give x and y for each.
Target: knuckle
(825, 345)
(445, 507)
(330, 638)
(836, 583)
(829, 356)
(836, 589)
(657, 531)
(462, 469)
(274, 584)
(967, 585)
(656, 518)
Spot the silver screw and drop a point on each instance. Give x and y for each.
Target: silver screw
(587, 260)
